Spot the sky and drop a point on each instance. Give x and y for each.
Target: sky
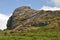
(7, 7)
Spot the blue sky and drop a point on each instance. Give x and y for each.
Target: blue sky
(8, 6)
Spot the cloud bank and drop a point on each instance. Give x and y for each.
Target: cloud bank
(3, 21)
(49, 8)
(56, 2)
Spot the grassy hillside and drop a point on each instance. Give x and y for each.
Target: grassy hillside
(42, 33)
(29, 24)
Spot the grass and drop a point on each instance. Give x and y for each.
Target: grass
(39, 34)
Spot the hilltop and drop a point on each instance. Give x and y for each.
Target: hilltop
(25, 18)
(28, 24)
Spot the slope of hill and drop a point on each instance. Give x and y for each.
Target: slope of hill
(29, 24)
(39, 34)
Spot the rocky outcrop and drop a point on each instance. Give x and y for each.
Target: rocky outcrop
(24, 17)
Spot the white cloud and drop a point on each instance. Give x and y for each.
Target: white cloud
(49, 8)
(3, 21)
(56, 2)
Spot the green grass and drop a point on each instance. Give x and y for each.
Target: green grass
(39, 34)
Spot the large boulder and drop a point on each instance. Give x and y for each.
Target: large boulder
(19, 15)
(25, 16)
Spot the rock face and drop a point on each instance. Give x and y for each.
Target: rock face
(24, 17)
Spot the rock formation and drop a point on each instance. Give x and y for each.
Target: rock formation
(24, 17)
